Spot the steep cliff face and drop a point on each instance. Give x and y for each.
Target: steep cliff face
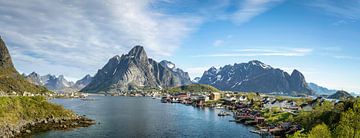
(179, 73)
(5, 58)
(11, 82)
(133, 71)
(255, 76)
(298, 83)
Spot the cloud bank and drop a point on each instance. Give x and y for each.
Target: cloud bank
(74, 37)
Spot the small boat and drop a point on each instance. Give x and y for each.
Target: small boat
(163, 100)
(222, 113)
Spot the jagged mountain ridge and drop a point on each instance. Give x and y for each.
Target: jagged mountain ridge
(255, 76)
(135, 71)
(57, 84)
(321, 90)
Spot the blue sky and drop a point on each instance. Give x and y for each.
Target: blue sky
(318, 37)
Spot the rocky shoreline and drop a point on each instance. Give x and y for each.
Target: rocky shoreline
(27, 128)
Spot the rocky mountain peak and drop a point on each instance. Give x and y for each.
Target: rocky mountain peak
(259, 63)
(87, 76)
(61, 77)
(297, 74)
(5, 58)
(168, 64)
(138, 52)
(136, 71)
(34, 74)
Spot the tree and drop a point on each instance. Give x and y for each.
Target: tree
(320, 131)
(297, 134)
(349, 125)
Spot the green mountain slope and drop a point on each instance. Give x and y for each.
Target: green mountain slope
(193, 88)
(10, 80)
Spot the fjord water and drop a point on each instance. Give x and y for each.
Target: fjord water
(147, 117)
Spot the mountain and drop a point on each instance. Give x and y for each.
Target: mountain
(320, 90)
(56, 84)
(340, 95)
(11, 81)
(196, 80)
(83, 82)
(178, 73)
(255, 76)
(134, 71)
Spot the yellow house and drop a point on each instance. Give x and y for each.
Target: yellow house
(215, 96)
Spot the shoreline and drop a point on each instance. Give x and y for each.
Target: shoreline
(28, 128)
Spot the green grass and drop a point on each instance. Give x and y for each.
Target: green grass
(11, 81)
(18, 108)
(193, 88)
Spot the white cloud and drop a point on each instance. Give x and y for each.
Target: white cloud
(346, 9)
(252, 8)
(262, 52)
(218, 42)
(347, 57)
(196, 71)
(77, 37)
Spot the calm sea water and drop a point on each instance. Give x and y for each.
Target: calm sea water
(147, 117)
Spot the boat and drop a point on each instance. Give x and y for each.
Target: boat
(163, 100)
(222, 113)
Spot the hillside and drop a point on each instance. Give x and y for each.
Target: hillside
(340, 95)
(193, 88)
(11, 81)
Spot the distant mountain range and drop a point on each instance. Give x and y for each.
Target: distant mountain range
(11, 82)
(135, 71)
(58, 84)
(321, 90)
(256, 76)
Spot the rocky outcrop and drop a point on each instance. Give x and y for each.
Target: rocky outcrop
(27, 128)
(255, 76)
(134, 71)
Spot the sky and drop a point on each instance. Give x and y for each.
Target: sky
(320, 38)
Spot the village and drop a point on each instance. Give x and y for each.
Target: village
(268, 114)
